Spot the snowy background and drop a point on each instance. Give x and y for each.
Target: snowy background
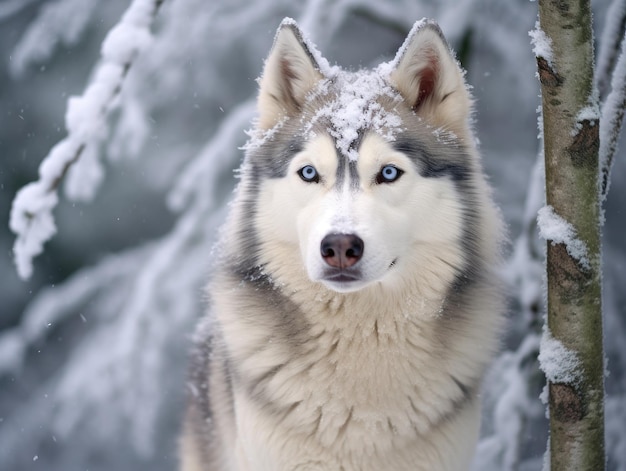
(93, 346)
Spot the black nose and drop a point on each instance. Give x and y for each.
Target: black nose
(341, 250)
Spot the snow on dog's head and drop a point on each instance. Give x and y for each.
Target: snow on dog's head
(298, 83)
(356, 173)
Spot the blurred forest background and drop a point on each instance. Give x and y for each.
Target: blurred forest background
(93, 347)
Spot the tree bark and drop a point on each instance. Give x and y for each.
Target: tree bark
(574, 318)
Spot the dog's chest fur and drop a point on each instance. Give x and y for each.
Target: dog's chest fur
(359, 389)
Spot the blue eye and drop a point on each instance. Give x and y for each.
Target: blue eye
(388, 174)
(309, 174)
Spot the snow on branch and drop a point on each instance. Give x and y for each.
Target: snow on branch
(542, 44)
(554, 228)
(560, 364)
(86, 124)
(612, 33)
(137, 299)
(612, 119)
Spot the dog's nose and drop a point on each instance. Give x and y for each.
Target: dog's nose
(341, 250)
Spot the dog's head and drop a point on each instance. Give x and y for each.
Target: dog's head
(357, 174)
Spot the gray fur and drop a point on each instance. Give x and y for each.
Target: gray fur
(289, 374)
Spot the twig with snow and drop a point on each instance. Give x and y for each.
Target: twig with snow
(86, 124)
(610, 45)
(612, 120)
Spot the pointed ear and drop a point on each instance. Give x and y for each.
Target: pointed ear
(290, 73)
(428, 77)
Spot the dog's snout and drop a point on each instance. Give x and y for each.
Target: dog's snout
(342, 250)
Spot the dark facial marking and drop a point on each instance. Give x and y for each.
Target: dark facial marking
(342, 164)
(273, 159)
(428, 165)
(354, 175)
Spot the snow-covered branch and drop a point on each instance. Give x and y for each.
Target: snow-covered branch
(86, 124)
(147, 303)
(610, 46)
(612, 120)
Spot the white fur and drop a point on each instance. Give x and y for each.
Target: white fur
(280, 95)
(295, 216)
(425, 52)
(378, 384)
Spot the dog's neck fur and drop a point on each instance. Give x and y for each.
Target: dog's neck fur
(363, 381)
(382, 337)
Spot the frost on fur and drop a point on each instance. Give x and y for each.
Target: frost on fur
(422, 73)
(430, 80)
(296, 72)
(355, 108)
(290, 73)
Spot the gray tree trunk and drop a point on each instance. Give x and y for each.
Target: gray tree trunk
(571, 141)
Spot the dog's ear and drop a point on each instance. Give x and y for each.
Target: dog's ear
(429, 78)
(290, 73)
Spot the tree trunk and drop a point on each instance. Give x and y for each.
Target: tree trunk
(571, 140)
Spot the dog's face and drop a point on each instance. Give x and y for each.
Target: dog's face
(351, 223)
(354, 184)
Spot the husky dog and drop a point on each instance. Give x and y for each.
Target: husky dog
(354, 307)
